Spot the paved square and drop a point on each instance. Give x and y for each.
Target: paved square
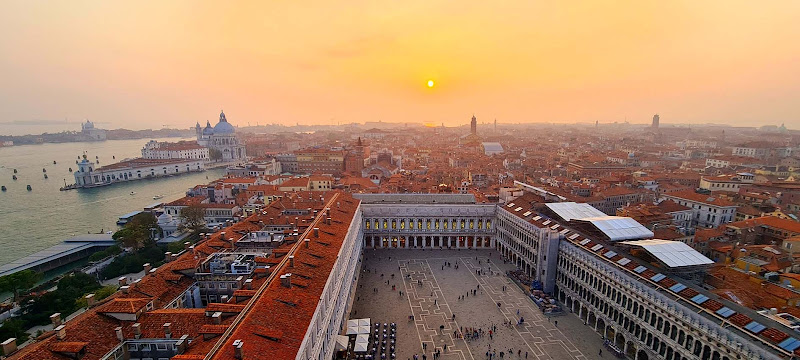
(438, 284)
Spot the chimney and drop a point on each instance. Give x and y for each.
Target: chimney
(152, 272)
(147, 268)
(61, 331)
(118, 331)
(9, 346)
(248, 284)
(173, 257)
(316, 232)
(182, 343)
(286, 280)
(168, 330)
(137, 330)
(291, 261)
(123, 281)
(307, 242)
(55, 319)
(237, 349)
(191, 249)
(186, 245)
(168, 256)
(90, 301)
(223, 299)
(124, 289)
(329, 220)
(216, 318)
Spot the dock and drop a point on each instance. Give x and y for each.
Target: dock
(71, 250)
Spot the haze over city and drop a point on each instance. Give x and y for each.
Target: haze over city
(150, 64)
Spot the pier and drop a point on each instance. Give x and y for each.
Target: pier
(71, 250)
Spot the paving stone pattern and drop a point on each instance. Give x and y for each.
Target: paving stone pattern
(433, 294)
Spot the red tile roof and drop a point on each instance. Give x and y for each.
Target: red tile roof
(275, 324)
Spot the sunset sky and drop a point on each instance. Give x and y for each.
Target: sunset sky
(144, 64)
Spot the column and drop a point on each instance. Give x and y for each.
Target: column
(406, 242)
(449, 241)
(372, 241)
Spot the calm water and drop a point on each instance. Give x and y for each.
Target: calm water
(34, 220)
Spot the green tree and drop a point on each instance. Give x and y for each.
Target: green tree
(193, 217)
(214, 154)
(138, 232)
(19, 281)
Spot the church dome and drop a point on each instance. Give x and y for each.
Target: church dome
(223, 127)
(165, 218)
(208, 130)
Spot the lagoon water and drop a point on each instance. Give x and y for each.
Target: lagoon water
(34, 220)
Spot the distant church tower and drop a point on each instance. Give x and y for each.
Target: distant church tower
(474, 125)
(655, 121)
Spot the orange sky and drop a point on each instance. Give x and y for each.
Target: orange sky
(143, 64)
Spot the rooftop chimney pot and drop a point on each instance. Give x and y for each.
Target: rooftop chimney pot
(61, 331)
(9, 346)
(237, 349)
(55, 319)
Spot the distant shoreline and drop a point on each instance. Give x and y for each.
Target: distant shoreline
(74, 137)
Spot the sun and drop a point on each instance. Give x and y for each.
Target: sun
(430, 83)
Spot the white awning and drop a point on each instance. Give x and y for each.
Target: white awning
(341, 342)
(571, 210)
(619, 228)
(672, 253)
(362, 338)
(360, 347)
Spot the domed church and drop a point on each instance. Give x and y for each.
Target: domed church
(221, 137)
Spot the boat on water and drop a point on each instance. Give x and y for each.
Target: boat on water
(54, 162)
(3, 188)
(45, 176)
(158, 197)
(29, 188)
(14, 177)
(133, 192)
(44, 170)
(15, 171)
(70, 169)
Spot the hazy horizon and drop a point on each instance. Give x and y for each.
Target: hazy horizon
(148, 64)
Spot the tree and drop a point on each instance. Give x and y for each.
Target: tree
(193, 217)
(138, 232)
(214, 154)
(19, 281)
